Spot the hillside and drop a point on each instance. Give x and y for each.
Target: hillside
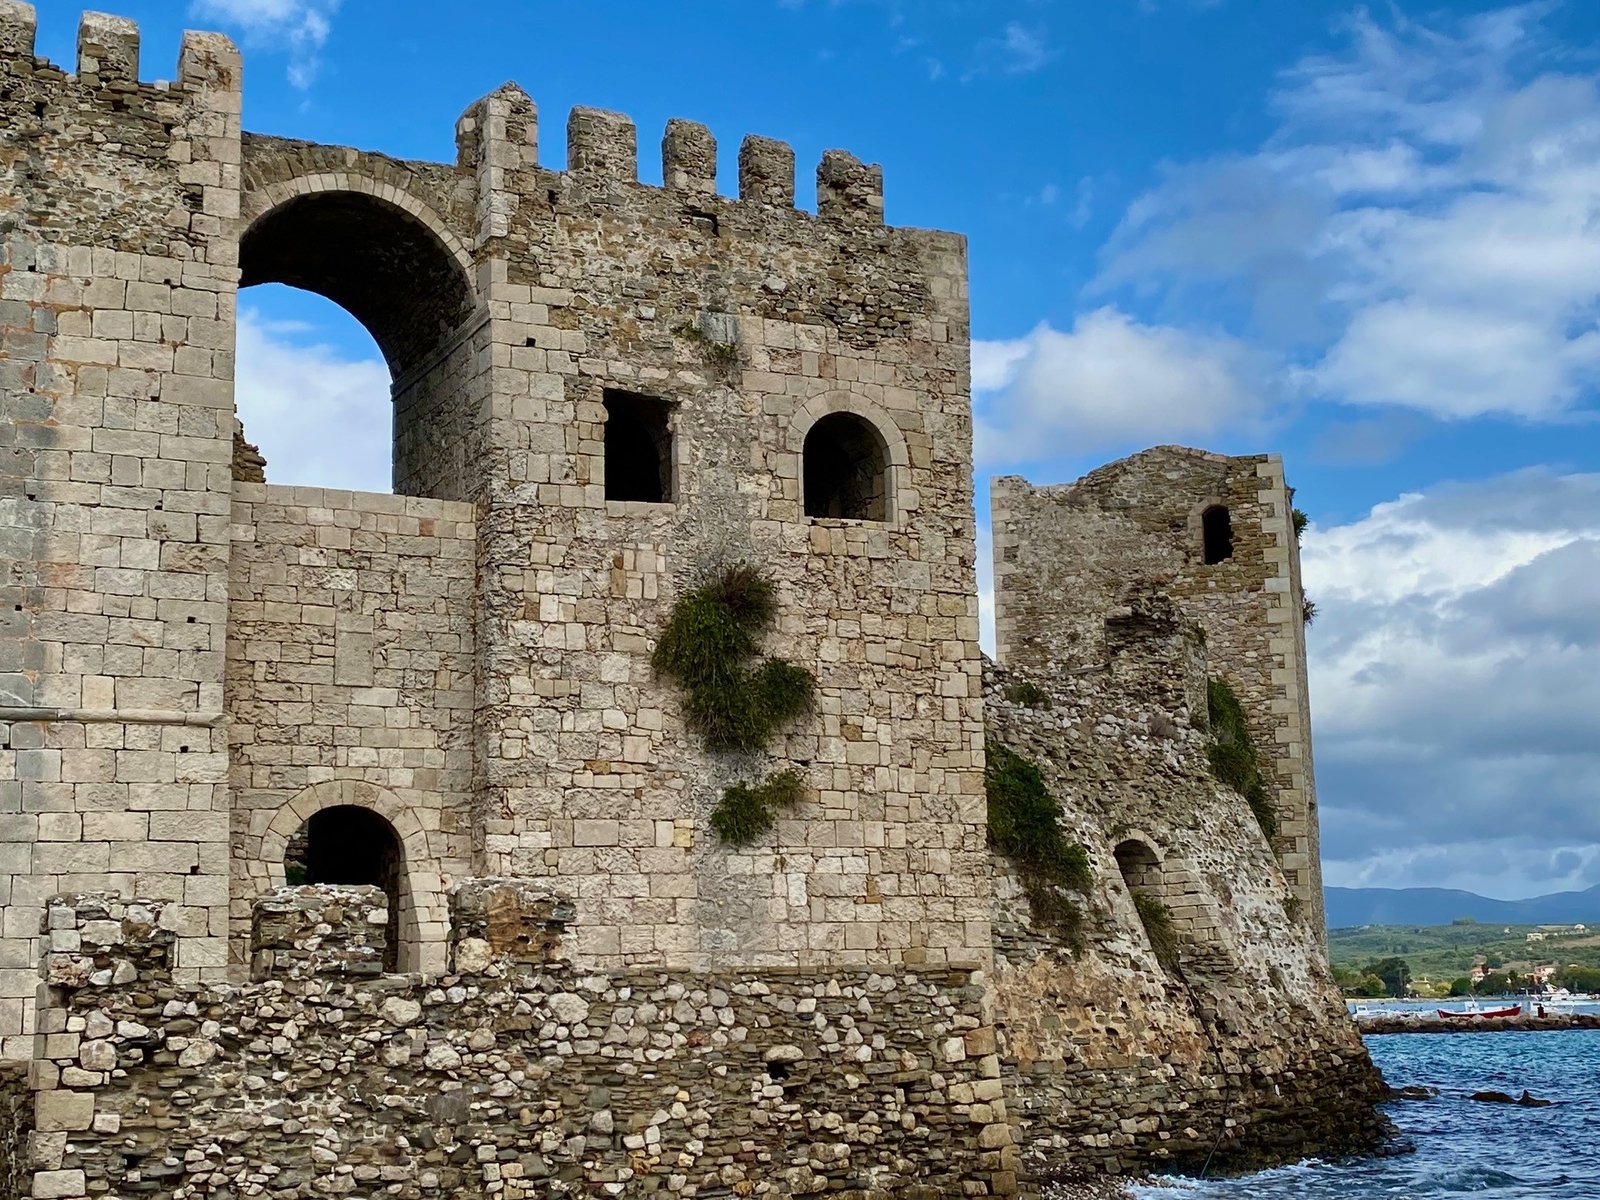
(1352, 907)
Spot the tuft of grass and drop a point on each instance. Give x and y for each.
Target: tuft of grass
(711, 635)
(1308, 610)
(746, 811)
(1301, 520)
(1028, 694)
(721, 355)
(1024, 825)
(1158, 927)
(1233, 755)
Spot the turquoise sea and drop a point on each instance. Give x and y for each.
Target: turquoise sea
(1462, 1147)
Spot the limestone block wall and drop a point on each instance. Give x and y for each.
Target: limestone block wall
(116, 361)
(750, 321)
(1240, 1055)
(1068, 556)
(350, 682)
(504, 1078)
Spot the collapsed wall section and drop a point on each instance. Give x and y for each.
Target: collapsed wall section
(350, 684)
(1215, 533)
(1198, 1026)
(116, 423)
(514, 1076)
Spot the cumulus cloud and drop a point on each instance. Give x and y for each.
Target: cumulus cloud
(1107, 382)
(298, 27)
(321, 419)
(1454, 685)
(1422, 230)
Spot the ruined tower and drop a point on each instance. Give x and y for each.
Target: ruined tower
(1216, 534)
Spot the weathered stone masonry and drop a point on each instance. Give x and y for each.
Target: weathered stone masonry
(1068, 556)
(212, 687)
(502, 1078)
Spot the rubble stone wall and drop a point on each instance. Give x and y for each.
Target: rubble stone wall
(1241, 1055)
(507, 1079)
(350, 681)
(1068, 556)
(116, 425)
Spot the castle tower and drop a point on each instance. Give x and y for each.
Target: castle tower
(117, 281)
(1216, 533)
(602, 390)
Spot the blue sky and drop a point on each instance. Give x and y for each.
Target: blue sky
(1368, 238)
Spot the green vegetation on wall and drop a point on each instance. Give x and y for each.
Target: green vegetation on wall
(1028, 694)
(747, 811)
(1158, 927)
(1233, 755)
(737, 704)
(1024, 825)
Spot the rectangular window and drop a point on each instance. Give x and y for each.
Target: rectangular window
(638, 448)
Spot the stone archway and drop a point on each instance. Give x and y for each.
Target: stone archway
(422, 922)
(393, 264)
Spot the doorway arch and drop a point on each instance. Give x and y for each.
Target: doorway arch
(421, 917)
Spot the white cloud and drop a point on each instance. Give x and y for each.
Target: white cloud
(1453, 681)
(1422, 231)
(1026, 49)
(320, 419)
(299, 27)
(1109, 381)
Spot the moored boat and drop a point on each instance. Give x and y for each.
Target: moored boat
(1514, 1010)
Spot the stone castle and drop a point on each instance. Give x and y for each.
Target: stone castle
(353, 845)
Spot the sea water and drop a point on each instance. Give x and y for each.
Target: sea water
(1462, 1147)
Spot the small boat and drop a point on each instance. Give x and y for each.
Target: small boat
(1514, 1010)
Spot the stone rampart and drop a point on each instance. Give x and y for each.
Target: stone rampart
(1235, 1053)
(510, 1080)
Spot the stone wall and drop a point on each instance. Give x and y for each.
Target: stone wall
(509, 1079)
(1068, 556)
(116, 425)
(350, 681)
(750, 320)
(1239, 1055)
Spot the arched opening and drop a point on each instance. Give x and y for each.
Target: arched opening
(393, 274)
(347, 844)
(1139, 866)
(1142, 873)
(638, 448)
(1216, 529)
(846, 469)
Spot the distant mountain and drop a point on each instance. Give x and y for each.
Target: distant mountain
(1349, 907)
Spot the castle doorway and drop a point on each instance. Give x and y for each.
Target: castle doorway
(350, 845)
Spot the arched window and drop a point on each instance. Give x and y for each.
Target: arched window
(638, 448)
(354, 846)
(1216, 528)
(392, 273)
(846, 472)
